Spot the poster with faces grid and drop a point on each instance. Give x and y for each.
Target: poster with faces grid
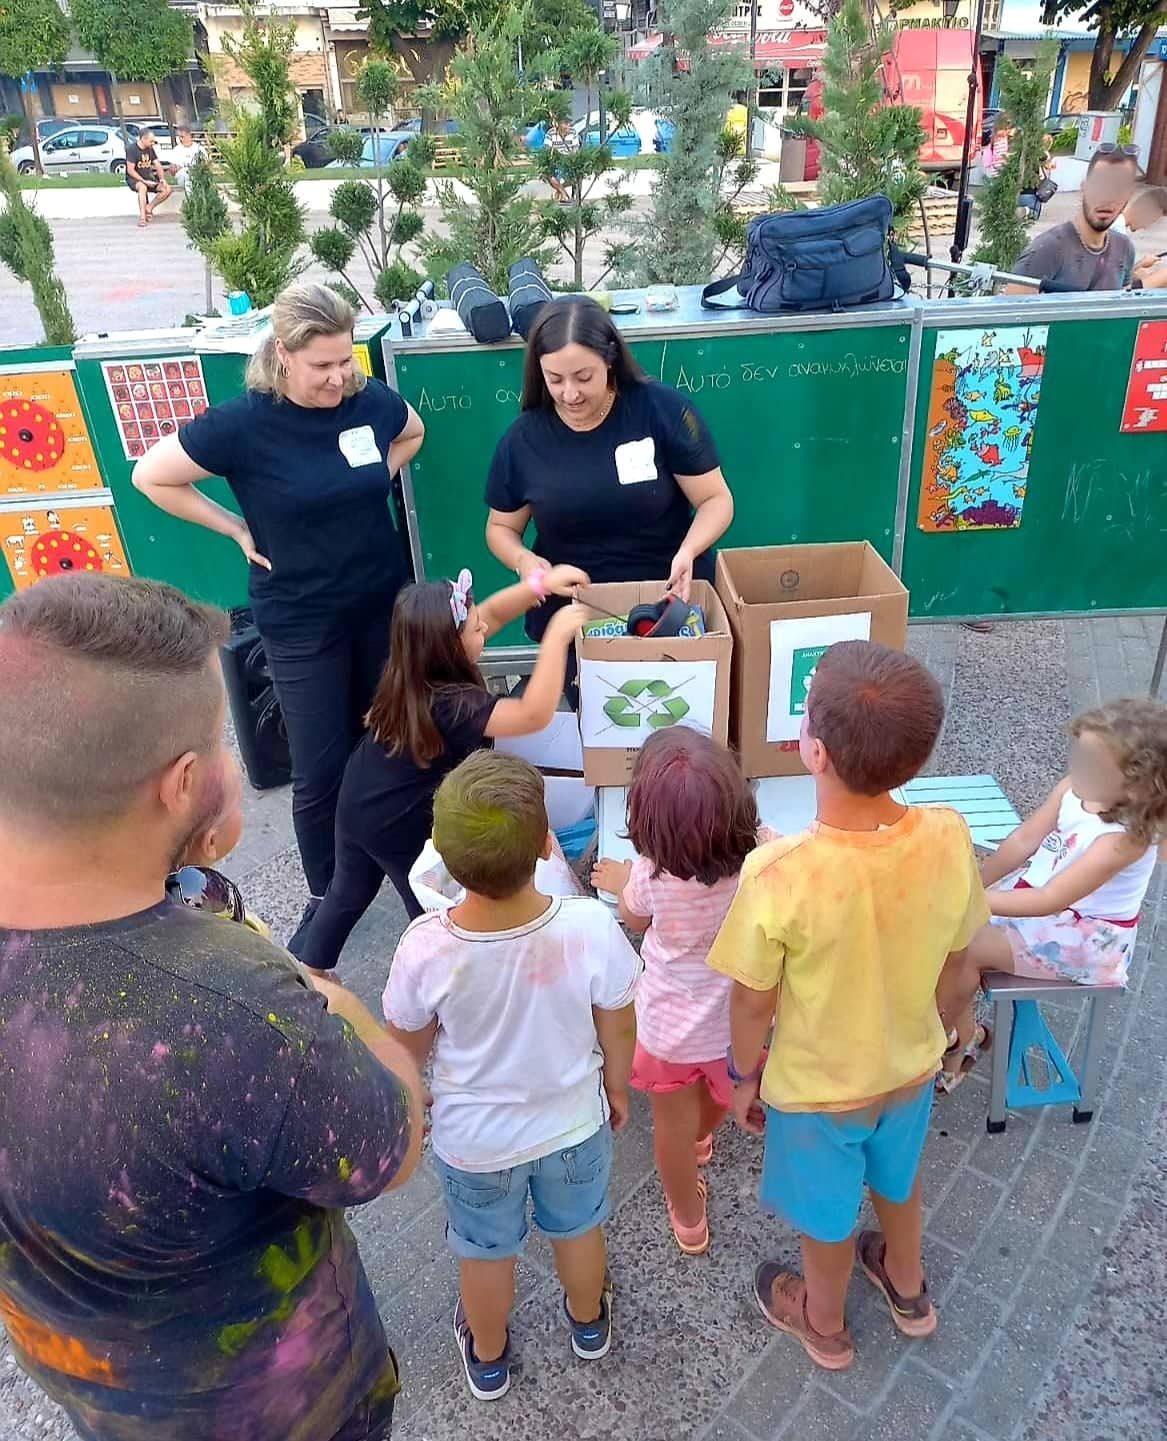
(154, 398)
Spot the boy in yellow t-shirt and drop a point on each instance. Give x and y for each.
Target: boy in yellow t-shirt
(838, 937)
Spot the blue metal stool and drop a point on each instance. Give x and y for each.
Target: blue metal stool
(1029, 1067)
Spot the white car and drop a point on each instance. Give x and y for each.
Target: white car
(82, 148)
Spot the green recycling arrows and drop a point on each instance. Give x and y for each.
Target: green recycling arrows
(653, 701)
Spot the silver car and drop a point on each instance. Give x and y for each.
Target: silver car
(75, 150)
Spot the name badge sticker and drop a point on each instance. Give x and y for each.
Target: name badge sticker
(636, 461)
(359, 446)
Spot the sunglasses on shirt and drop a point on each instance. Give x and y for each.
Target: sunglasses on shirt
(206, 890)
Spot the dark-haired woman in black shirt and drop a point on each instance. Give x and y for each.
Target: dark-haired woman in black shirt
(618, 473)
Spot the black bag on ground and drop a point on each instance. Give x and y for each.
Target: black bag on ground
(827, 259)
(481, 311)
(529, 293)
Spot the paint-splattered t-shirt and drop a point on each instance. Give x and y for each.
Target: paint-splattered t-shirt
(180, 1123)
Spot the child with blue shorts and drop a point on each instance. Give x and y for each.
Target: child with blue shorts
(526, 1001)
(837, 937)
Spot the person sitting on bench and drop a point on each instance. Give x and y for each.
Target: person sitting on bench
(145, 176)
(1069, 882)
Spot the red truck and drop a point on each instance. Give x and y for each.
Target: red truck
(928, 68)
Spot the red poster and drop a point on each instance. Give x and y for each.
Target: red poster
(1146, 391)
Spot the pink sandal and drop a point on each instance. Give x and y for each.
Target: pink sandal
(693, 1240)
(705, 1150)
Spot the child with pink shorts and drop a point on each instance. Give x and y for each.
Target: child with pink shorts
(693, 821)
(1068, 884)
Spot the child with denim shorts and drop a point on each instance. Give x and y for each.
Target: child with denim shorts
(527, 1003)
(838, 938)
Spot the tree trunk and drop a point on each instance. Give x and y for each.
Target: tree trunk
(1110, 95)
(1100, 58)
(30, 116)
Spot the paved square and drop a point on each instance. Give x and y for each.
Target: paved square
(1044, 1245)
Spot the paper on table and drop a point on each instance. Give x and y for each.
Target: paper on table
(796, 647)
(622, 703)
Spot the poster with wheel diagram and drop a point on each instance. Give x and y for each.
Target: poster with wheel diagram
(154, 398)
(60, 537)
(44, 441)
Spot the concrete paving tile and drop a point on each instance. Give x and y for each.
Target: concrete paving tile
(968, 1319)
(1010, 1378)
(944, 1154)
(1111, 1157)
(1132, 1098)
(1049, 1297)
(962, 1114)
(724, 1429)
(912, 1408)
(966, 1211)
(1039, 1186)
(765, 1402)
(822, 1417)
(1085, 1228)
(1003, 1155)
(942, 1266)
(1002, 1253)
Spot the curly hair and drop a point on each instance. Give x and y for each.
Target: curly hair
(1135, 732)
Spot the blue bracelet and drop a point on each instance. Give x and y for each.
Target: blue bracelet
(734, 1074)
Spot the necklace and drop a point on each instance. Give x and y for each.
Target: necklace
(599, 420)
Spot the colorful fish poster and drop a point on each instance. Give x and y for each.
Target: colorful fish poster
(986, 385)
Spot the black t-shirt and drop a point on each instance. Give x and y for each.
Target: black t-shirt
(181, 1124)
(145, 162)
(607, 499)
(386, 803)
(314, 486)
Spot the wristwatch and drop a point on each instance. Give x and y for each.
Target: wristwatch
(734, 1074)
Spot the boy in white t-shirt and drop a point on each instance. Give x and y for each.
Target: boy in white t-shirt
(527, 1003)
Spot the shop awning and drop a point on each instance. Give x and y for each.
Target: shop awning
(645, 48)
(791, 49)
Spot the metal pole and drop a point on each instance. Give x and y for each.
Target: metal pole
(963, 201)
(752, 93)
(1160, 657)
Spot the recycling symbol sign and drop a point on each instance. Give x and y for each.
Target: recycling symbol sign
(651, 702)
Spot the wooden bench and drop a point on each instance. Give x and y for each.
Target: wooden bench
(446, 156)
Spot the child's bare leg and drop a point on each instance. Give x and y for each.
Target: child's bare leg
(488, 1293)
(989, 950)
(710, 1114)
(826, 1268)
(902, 1225)
(677, 1117)
(582, 1263)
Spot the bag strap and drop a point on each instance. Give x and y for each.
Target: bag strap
(720, 287)
(897, 266)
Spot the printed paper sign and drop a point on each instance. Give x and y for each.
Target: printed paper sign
(622, 703)
(796, 647)
(1146, 392)
(153, 398)
(60, 538)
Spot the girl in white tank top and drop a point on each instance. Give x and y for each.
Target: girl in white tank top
(1068, 884)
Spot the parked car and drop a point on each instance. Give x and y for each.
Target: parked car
(315, 151)
(1064, 120)
(73, 151)
(392, 144)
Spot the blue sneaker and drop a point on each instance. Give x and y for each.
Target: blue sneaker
(592, 1339)
(488, 1380)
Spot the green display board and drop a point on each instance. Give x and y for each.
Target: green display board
(808, 424)
(206, 566)
(1093, 529)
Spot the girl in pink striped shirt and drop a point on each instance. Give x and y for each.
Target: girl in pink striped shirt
(693, 821)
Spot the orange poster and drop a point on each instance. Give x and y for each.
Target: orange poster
(44, 442)
(60, 537)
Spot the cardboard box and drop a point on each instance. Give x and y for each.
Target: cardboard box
(630, 688)
(787, 604)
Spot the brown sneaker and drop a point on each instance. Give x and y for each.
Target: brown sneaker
(781, 1298)
(913, 1315)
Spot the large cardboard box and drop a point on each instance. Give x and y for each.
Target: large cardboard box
(786, 605)
(630, 688)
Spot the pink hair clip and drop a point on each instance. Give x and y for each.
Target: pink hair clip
(460, 598)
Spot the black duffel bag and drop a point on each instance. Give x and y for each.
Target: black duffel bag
(827, 259)
(529, 293)
(481, 311)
